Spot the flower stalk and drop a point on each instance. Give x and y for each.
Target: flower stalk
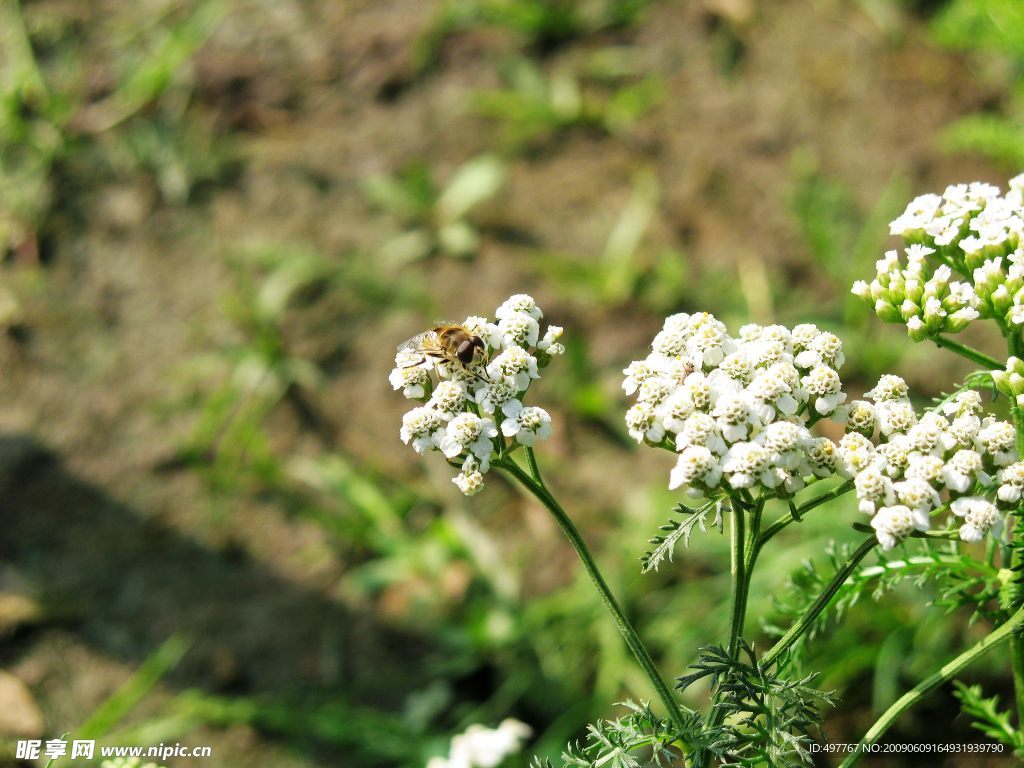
(532, 482)
(1009, 629)
(820, 604)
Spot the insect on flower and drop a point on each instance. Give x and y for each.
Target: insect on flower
(450, 343)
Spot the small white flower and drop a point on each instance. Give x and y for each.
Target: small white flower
(516, 362)
(929, 434)
(895, 455)
(824, 382)
(520, 302)
(412, 379)
(480, 747)
(855, 453)
(498, 394)
(423, 427)
(980, 518)
(674, 411)
(734, 418)
(895, 416)
(527, 425)
(518, 329)
(696, 464)
(1011, 480)
(928, 468)
(642, 422)
(654, 390)
(859, 416)
(637, 372)
(895, 523)
(889, 387)
(823, 456)
(963, 430)
(874, 490)
(549, 343)
(917, 494)
(470, 480)
(670, 343)
(998, 439)
(448, 399)
(469, 432)
(962, 470)
(745, 463)
(700, 429)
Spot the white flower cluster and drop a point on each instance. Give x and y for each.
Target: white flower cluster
(972, 232)
(466, 407)
(481, 747)
(736, 409)
(952, 456)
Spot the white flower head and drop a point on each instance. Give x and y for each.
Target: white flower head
(470, 433)
(498, 394)
(643, 423)
(889, 387)
(1011, 481)
(526, 425)
(518, 329)
(980, 518)
(411, 376)
(893, 524)
(874, 490)
(448, 398)
(422, 427)
(482, 747)
(998, 439)
(963, 469)
(464, 403)
(637, 372)
(549, 343)
(516, 362)
(696, 464)
(471, 479)
(745, 464)
(520, 302)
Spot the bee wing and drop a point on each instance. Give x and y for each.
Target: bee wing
(416, 342)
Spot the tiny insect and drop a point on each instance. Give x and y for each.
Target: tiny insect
(451, 343)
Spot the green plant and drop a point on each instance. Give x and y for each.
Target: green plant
(539, 24)
(534, 107)
(434, 219)
(992, 28)
(736, 412)
(45, 125)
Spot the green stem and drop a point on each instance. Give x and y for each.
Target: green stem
(745, 547)
(24, 67)
(531, 461)
(817, 501)
(535, 486)
(1017, 552)
(929, 684)
(820, 604)
(740, 582)
(989, 363)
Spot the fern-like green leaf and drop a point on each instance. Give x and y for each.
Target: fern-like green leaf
(674, 530)
(988, 717)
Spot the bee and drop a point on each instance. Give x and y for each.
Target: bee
(450, 343)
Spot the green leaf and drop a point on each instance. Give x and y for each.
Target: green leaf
(127, 697)
(988, 718)
(676, 530)
(473, 183)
